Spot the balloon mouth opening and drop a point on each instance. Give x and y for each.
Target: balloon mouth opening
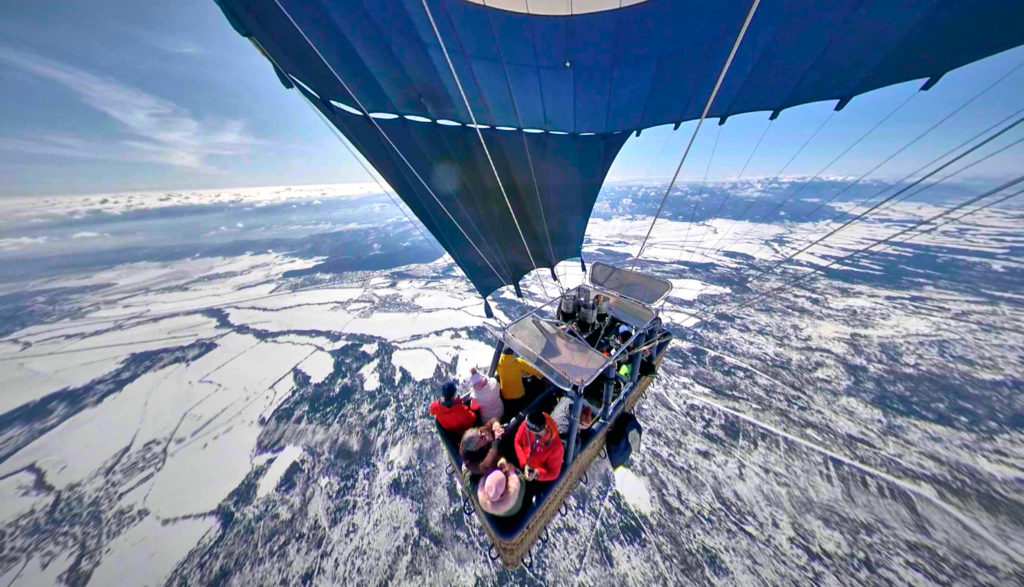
(559, 8)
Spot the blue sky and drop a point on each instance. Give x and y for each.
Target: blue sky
(115, 95)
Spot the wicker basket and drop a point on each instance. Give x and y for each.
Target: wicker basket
(512, 552)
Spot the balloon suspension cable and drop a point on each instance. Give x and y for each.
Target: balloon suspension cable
(696, 203)
(854, 144)
(543, 218)
(954, 173)
(384, 188)
(995, 202)
(652, 164)
(893, 203)
(883, 207)
(819, 270)
(529, 156)
(647, 175)
(398, 151)
(703, 115)
(732, 186)
(906, 146)
(916, 182)
(718, 246)
(907, 197)
(920, 136)
(483, 143)
(793, 192)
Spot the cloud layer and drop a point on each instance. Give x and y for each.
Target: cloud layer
(154, 129)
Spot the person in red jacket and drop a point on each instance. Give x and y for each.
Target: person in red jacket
(452, 413)
(539, 448)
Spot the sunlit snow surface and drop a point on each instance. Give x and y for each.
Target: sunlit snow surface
(251, 407)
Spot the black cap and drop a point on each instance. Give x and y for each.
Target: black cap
(536, 422)
(448, 390)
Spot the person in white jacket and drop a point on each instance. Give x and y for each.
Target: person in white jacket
(487, 393)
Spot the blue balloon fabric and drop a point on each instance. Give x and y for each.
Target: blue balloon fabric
(453, 188)
(574, 87)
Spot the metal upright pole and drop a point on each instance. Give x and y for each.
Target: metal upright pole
(497, 356)
(664, 342)
(634, 373)
(574, 427)
(609, 386)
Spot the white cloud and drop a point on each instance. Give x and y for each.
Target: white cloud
(13, 244)
(155, 129)
(170, 44)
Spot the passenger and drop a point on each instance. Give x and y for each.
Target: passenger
(624, 334)
(610, 341)
(487, 394)
(626, 359)
(453, 414)
(510, 373)
(539, 448)
(647, 366)
(562, 414)
(501, 492)
(625, 362)
(479, 448)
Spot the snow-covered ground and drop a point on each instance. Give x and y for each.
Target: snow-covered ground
(863, 427)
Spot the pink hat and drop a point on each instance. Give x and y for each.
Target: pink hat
(494, 485)
(479, 381)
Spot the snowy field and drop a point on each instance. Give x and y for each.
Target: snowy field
(200, 417)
